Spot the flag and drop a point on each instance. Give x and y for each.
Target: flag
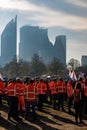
(72, 75)
(81, 75)
(1, 77)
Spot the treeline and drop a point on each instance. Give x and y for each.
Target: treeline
(35, 68)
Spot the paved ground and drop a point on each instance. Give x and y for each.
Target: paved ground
(49, 119)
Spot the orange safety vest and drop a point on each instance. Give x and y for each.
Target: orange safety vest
(64, 88)
(12, 90)
(1, 87)
(52, 87)
(69, 90)
(21, 89)
(41, 88)
(85, 91)
(77, 95)
(60, 87)
(30, 93)
(21, 101)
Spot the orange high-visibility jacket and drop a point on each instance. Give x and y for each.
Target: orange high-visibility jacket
(65, 88)
(12, 89)
(52, 87)
(85, 91)
(21, 101)
(30, 92)
(41, 88)
(60, 87)
(77, 96)
(1, 87)
(69, 90)
(21, 88)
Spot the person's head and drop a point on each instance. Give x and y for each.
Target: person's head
(61, 79)
(31, 81)
(81, 79)
(14, 80)
(78, 85)
(41, 80)
(18, 80)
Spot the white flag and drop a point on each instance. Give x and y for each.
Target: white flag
(1, 77)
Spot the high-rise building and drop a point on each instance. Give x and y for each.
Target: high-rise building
(35, 40)
(9, 42)
(60, 48)
(84, 60)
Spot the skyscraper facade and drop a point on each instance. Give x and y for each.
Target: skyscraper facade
(35, 40)
(9, 42)
(84, 60)
(60, 48)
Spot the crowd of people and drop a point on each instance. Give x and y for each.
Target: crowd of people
(30, 93)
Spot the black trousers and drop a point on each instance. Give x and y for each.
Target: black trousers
(78, 111)
(61, 101)
(13, 107)
(69, 102)
(41, 98)
(54, 98)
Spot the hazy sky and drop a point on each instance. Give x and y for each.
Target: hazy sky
(61, 17)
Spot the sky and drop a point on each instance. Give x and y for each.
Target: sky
(60, 17)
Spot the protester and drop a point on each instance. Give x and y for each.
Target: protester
(78, 103)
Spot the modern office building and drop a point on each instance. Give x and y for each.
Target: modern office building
(35, 40)
(9, 42)
(84, 60)
(60, 48)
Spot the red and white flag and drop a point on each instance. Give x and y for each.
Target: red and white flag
(72, 75)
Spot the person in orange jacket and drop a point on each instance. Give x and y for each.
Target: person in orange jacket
(41, 92)
(1, 90)
(60, 91)
(30, 97)
(52, 88)
(78, 102)
(13, 93)
(82, 82)
(85, 96)
(21, 100)
(69, 94)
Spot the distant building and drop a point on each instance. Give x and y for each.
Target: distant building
(76, 64)
(8, 42)
(84, 60)
(60, 48)
(35, 40)
(73, 63)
